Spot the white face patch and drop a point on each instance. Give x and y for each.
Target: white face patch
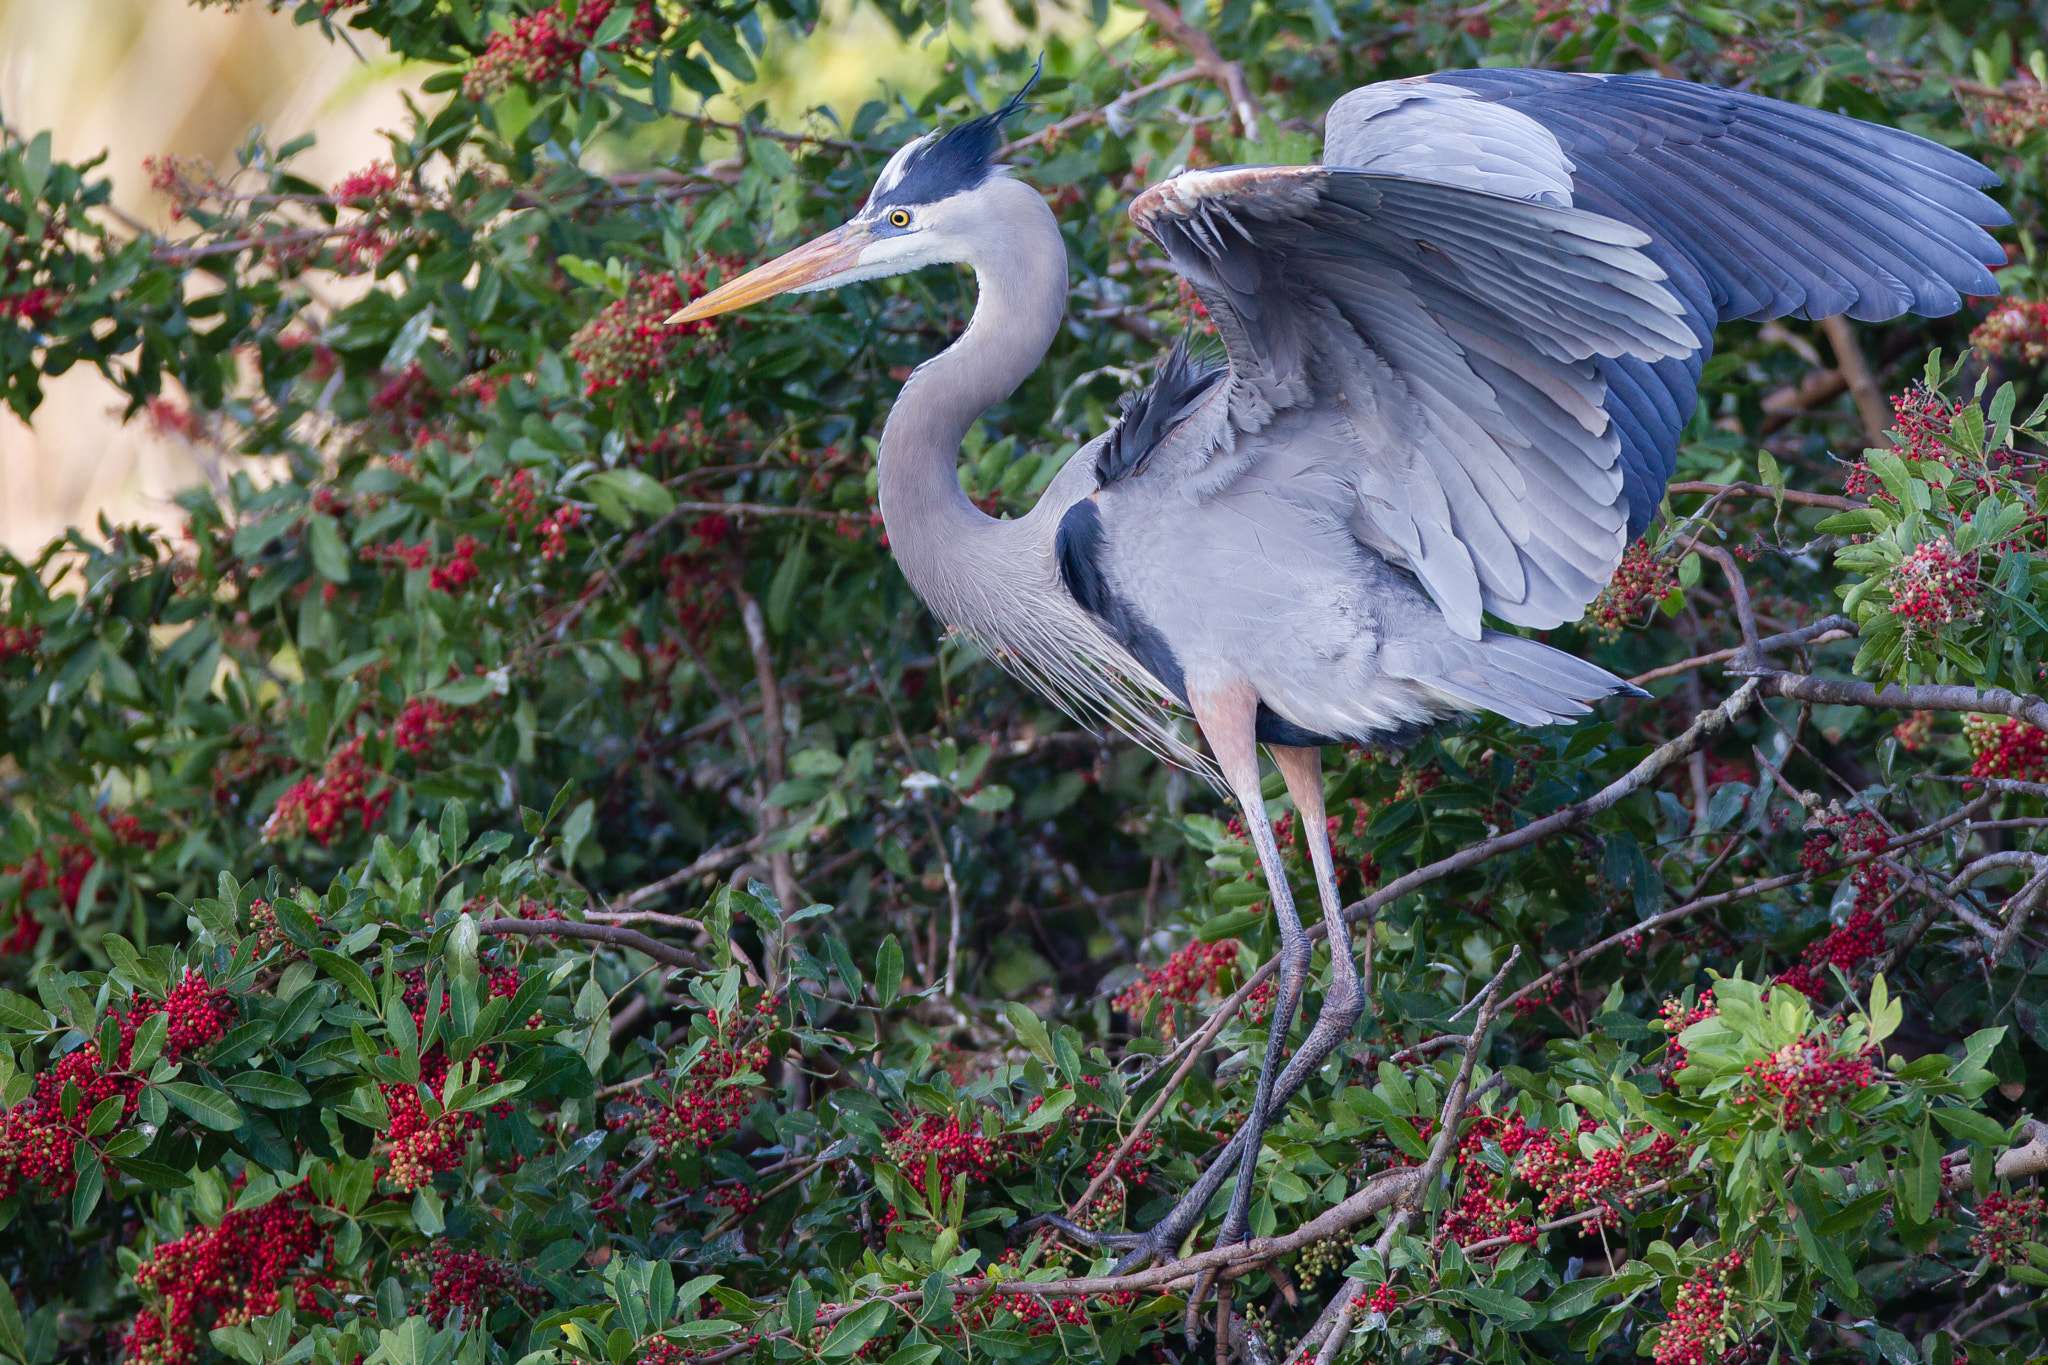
(892, 174)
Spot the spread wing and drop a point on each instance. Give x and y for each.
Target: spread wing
(1449, 339)
(1755, 208)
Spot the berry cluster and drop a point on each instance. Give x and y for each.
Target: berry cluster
(423, 720)
(34, 306)
(519, 495)
(1642, 580)
(1936, 586)
(38, 1136)
(64, 869)
(2005, 747)
(703, 1107)
(1860, 936)
(1383, 1300)
(419, 1146)
(398, 552)
(918, 1141)
(2005, 1224)
(227, 1274)
(186, 179)
(1040, 1315)
(2011, 122)
(1129, 1168)
(1697, 1329)
(315, 807)
(2016, 330)
(630, 340)
(460, 569)
(1192, 971)
(18, 642)
(472, 1284)
(368, 186)
(1676, 1017)
(1915, 732)
(1321, 1258)
(555, 528)
(1804, 1080)
(546, 46)
(1568, 1182)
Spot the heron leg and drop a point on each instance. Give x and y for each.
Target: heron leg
(1229, 720)
(1342, 1006)
(1344, 1001)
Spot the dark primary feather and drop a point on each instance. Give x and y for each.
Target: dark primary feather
(1756, 208)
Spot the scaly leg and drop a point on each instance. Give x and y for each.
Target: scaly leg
(1342, 1006)
(1229, 720)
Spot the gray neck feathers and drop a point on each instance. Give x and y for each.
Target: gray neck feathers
(945, 544)
(997, 580)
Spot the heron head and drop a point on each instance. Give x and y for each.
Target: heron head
(925, 209)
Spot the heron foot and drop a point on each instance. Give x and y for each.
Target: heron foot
(1085, 1236)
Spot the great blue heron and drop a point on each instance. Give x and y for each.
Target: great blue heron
(1459, 356)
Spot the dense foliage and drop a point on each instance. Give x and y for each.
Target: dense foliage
(515, 876)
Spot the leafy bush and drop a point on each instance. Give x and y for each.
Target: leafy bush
(515, 877)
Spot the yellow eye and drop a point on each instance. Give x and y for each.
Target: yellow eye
(899, 218)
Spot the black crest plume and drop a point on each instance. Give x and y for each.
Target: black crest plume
(957, 160)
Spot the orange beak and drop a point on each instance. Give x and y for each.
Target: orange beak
(818, 259)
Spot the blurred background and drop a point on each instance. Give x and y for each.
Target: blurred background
(139, 78)
(143, 78)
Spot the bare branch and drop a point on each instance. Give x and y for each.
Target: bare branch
(1110, 112)
(600, 933)
(1893, 697)
(709, 861)
(1208, 61)
(1757, 490)
(1870, 401)
(1704, 728)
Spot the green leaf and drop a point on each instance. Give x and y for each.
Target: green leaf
(1049, 1112)
(473, 689)
(1030, 1030)
(20, 1012)
(1509, 1309)
(853, 1331)
(1577, 1297)
(406, 347)
(1920, 1175)
(331, 557)
(1853, 523)
(1972, 1126)
(269, 1090)
(154, 1174)
(636, 490)
(889, 971)
(209, 1107)
(349, 974)
(576, 830)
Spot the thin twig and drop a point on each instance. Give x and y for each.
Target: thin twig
(709, 861)
(1821, 632)
(1744, 489)
(1110, 112)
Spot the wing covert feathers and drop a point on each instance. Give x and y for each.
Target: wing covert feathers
(1450, 337)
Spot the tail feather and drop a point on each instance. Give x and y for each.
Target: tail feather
(1527, 682)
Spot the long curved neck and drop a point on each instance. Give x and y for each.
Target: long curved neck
(1020, 266)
